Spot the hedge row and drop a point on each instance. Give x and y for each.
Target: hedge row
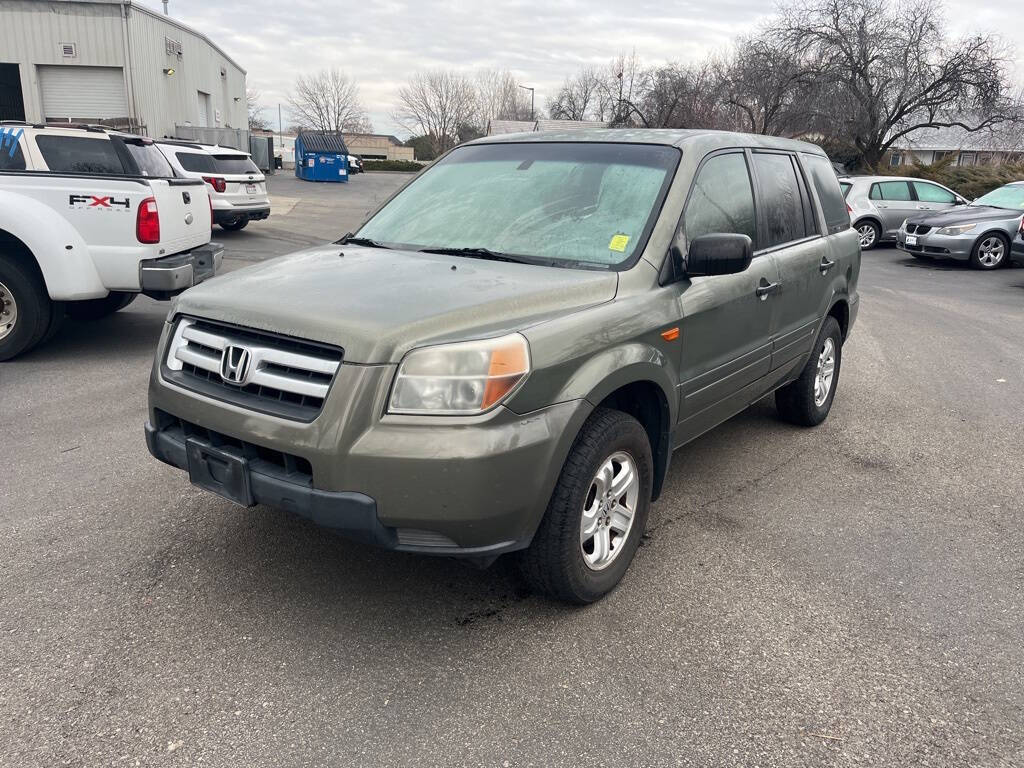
(391, 165)
(971, 181)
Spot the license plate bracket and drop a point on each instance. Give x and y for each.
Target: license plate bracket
(250, 189)
(222, 473)
(911, 240)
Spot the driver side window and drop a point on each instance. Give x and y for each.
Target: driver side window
(722, 199)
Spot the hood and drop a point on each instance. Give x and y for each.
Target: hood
(963, 214)
(377, 304)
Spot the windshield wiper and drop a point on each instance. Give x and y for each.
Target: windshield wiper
(478, 253)
(366, 241)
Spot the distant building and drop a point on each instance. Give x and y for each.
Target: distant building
(115, 62)
(1003, 143)
(378, 146)
(499, 127)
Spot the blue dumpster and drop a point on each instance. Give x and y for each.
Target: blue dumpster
(321, 156)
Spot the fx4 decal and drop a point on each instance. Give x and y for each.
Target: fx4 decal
(96, 201)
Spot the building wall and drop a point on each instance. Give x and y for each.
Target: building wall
(165, 101)
(107, 34)
(377, 147)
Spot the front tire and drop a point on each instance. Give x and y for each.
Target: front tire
(25, 309)
(597, 513)
(869, 233)
(808, 400)
(990, 252)
(235, 224)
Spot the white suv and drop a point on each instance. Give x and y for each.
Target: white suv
(238, 189)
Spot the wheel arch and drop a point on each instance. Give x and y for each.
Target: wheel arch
(840, 310)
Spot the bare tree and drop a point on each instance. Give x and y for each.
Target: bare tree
(328, 101)
(499, 97)
(768, 87)
(578, 98)
(437, 104)
(257, 122)
(884, 69)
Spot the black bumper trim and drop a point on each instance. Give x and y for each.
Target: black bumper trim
(228, 215)
(164, 277)
(354, 515)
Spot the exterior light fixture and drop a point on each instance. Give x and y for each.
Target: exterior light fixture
(169, 71)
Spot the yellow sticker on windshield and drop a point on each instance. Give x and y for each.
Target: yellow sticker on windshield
(619, 243)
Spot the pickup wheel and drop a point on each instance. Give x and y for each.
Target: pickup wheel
(94, 309)
(808, 400)
(25, 309)
(597, 513)
(235, 224)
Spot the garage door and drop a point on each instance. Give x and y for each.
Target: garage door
(82, 93)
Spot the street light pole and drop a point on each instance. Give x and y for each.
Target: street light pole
(528, 88)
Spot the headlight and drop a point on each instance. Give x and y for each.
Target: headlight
(957, 230)
(460, 379)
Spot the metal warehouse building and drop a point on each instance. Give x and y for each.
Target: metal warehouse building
(116, 62)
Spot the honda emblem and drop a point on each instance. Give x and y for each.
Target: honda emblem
(234, 365)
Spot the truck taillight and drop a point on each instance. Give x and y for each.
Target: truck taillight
(218, 184)
(147, 222)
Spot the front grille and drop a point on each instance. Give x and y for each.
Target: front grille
(266, 461)
(280, 375)
(918, 229)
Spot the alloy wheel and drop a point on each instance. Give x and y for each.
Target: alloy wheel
(825, 372)
(609, 510)
(991, 251)
(8, 311)
(867, 235)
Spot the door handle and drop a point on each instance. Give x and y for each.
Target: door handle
(923, 208)
(765, 288)
(825, 264)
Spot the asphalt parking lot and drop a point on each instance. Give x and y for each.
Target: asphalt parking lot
(848, 595)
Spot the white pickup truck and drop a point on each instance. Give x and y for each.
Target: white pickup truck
(90, 218)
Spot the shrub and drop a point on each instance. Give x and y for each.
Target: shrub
(971, 181)
(392, 165)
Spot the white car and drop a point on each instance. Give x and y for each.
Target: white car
(355, 165)
(238, 189)
(90, 218)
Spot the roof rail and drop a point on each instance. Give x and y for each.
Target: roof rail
(180, 143)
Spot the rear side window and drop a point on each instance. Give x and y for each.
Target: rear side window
(150, 160)
(235, 164)
(722, 199)
(193, 162)
(11, 157)
(931, 193)
(830, 192)
(890, 190)
(781, 200)
(79, 154)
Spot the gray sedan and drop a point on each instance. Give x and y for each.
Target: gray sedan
(983, 232)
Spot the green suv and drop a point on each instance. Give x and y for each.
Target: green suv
(505, 355)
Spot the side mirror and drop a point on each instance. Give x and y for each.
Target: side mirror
(720, 253)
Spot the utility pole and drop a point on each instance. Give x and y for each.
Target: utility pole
(528, 88)
(166, 12)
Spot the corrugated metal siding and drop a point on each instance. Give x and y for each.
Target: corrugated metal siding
(82, 92)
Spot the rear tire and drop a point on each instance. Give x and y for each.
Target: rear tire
(870, 233)
(610, 446)
(235, 224)
(990, 252)
(25, 309)
(94, 309)
(802, 402)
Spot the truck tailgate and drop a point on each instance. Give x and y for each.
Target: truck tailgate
(184, 209)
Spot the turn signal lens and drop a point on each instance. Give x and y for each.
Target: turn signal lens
(147, 222)
(460, 379)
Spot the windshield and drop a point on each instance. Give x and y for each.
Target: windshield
(573, 202)
(235, 164)
(1011, 196)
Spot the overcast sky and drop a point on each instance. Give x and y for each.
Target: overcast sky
(540, 41)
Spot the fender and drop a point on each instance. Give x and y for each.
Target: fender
(58, 248)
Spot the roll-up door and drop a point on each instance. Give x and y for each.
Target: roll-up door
(82, 93)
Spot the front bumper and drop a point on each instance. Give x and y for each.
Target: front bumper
(167, 276)
(228, 215)
(939, 246)
(474, 486)
(1017, 250)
